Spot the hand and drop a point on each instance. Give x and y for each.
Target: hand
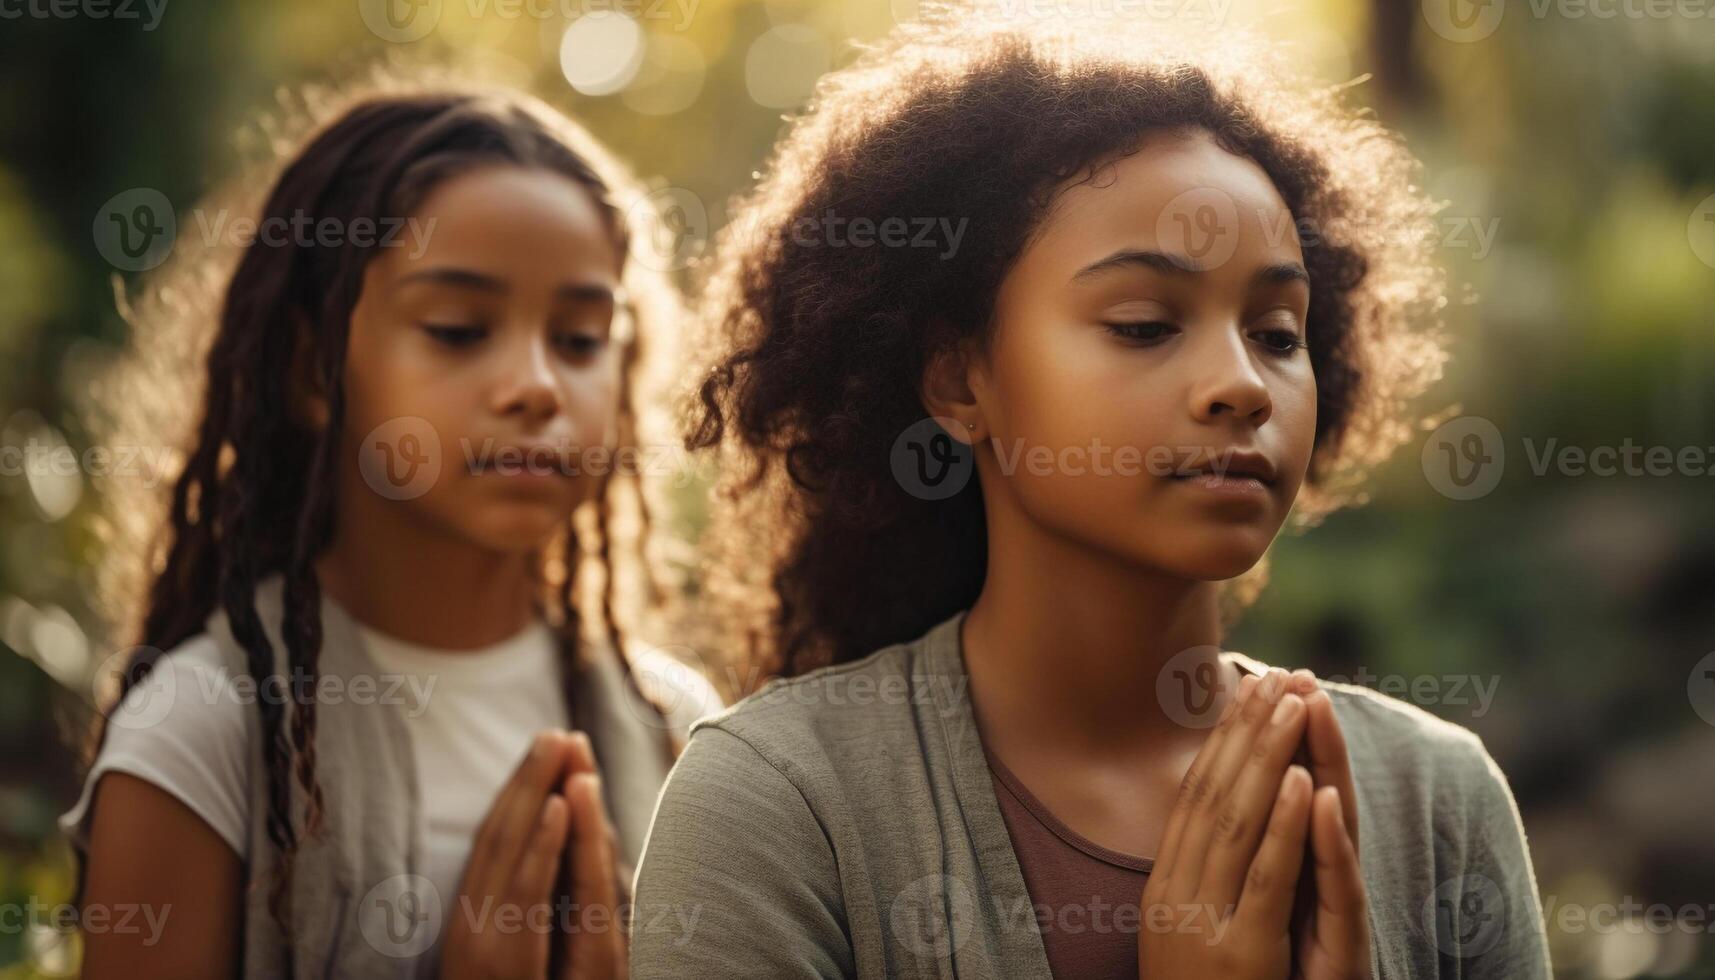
(1331, 929)
(595, 947)
(511, 868)
(1219, 900)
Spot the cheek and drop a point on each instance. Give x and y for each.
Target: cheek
(1070, 386)
(592, 397)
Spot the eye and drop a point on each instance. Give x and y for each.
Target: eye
(1146, 331)
(455, 334)
(580, 344)
(1282, 342)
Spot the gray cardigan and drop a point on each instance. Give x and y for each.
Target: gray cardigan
(844, 824)
(357, 904)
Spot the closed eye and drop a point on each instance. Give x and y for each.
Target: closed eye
(455, 334)
(1282, 342)
(1146, 331)
(581, 344)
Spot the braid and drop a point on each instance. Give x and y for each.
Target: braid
(256, 497)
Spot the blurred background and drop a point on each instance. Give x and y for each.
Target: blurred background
(1538, 564)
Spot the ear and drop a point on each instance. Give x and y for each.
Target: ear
(308, 399)
(951, 380)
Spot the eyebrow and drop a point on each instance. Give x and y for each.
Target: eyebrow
(471, 279)
(1180, 265)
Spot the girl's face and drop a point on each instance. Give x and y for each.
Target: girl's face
(480, 368)
(1152, 325)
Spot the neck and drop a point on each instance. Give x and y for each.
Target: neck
(421, 583)
(1065, 647)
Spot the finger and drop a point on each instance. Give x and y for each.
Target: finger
(591, 866)
(1330, 763)
(1249, 720)
(533, 879)
(506, 829)
(1342, 923)
(1244, 815)
(1196, 778)
(580, 753)
(1265, 906)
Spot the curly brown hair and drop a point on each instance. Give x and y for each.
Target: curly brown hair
(813, 356)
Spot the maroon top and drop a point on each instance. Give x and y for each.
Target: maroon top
(1085, 897)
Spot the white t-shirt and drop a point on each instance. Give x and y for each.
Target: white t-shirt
(470, 715)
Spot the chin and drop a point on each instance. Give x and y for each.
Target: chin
(1212, 557)
(515, 530)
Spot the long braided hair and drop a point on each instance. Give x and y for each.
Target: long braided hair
(253, 496)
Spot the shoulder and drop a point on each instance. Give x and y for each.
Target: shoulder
(803, 723)
(187, 727)
(1423, 760)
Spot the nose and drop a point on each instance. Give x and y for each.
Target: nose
(528, 385)
(1227, 382)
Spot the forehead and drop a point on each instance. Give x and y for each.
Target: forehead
(1180, 192)
(483, 215)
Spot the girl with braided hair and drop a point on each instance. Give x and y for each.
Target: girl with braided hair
(379, 703)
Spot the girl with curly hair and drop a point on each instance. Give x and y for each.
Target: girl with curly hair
(1029, 342)
(380, 711)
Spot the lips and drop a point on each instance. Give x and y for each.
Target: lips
(1230, 463)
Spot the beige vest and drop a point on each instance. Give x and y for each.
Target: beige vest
(359, 908)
